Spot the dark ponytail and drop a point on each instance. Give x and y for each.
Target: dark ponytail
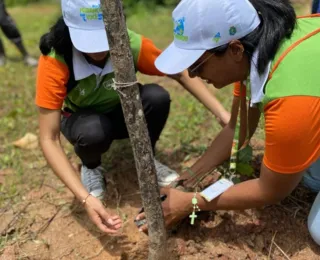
(278, 20)
(58, 38)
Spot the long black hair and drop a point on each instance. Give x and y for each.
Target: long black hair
(58, 38)
(278, 20)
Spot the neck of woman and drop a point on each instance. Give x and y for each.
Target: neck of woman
(98, 63)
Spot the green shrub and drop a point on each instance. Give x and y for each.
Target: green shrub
(20, 2)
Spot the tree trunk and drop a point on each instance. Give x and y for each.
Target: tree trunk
(122, 61)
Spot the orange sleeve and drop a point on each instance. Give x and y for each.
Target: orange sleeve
(148, 55)
(292, 126)
(52, 78)
(237, 90)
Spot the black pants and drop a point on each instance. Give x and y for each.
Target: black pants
(92, 133)
(8, 27)
(316, 6)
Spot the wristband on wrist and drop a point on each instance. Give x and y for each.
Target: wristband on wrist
(84, 201)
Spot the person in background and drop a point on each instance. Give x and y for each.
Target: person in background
(75, 95)
(274, 57)
(11, 31)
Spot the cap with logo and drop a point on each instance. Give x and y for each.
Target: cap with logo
(85, 22)
(201, 25)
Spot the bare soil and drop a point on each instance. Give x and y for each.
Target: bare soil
(50, 224)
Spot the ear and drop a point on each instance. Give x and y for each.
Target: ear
(236, 50)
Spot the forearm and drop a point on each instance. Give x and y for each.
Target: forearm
(60, 164)
(220, 149)
(242, 196)
(217, 153)
(270, 188)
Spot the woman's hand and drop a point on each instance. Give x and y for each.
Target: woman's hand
(176, 207)
(105, 221)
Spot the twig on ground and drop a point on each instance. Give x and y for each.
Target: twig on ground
(4, 210)
(46, 225)
(50, 186)
(86, 241)
(12, 196)
(279, 248)
(15, 218)
(295, 214)
(293, 198)
(42, 182)
(100, 251)
(272, 241)
(67, 254)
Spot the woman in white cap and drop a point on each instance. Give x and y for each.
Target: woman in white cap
(275, 56)
(75, 78)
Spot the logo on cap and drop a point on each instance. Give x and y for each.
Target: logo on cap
(232, 30)
(217, 37)
(178, 30)
(93, 13)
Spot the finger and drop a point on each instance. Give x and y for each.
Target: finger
(115, 218)
(141, 216)
(144, 228)
(118, 226)
(105, 229)
(117, 222)
(164, 190)
(107, 218)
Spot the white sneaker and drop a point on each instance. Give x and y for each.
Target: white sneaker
(2, 60)
(93, 180)
(31, 62)
(165, 175)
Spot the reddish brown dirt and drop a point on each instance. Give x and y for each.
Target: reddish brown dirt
(47, 223)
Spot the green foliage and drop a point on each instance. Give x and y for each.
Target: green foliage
(245, 155)
(150, 3)
(135, 6)
(245, 169)
(22, 2)
(244, 158)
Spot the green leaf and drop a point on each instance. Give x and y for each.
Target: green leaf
(236, 180)
(245, 155)
(245, 169)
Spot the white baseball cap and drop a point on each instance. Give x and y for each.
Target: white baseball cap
(201, 25)
(85, 22)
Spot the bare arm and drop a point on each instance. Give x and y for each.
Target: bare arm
(270, 188)
(220, 148)
(199, 90)
(49, 123)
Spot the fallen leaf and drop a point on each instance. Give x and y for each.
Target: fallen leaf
(29, 142)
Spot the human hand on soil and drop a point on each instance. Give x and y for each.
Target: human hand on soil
(104, 221)
(176, 207)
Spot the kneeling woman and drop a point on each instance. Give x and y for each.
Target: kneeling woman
(75, 72)
(261, 44)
